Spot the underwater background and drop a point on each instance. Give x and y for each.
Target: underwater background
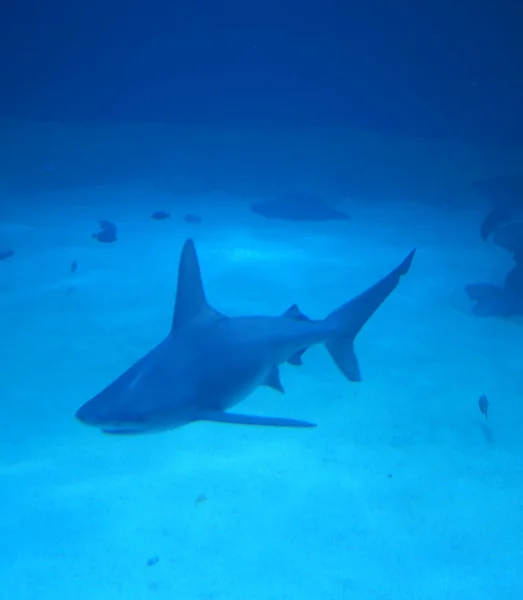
(306, 147)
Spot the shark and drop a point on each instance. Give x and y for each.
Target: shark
(209, 362)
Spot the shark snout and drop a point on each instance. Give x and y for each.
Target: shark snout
(99, 414)
(87, 415)
(110, 420)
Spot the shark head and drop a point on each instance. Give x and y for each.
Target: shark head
(150, 396)
(111, 419)
(135, 402)
(118, 421)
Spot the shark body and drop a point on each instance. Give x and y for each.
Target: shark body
(209, 362)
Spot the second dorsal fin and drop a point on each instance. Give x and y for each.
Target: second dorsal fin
(293, 312)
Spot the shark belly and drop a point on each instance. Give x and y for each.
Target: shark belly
(240, 354)
(223, 375)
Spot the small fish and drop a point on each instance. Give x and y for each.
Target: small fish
(74, 266)
(105, 236)
(160, 215)
(153, 561)
(201, 498)
(192, 218)
(107, 233)
(483, 405)
(106, 225)
(5, 254)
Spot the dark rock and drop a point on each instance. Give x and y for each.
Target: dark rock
(160, 215)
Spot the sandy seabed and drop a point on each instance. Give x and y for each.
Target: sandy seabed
(403, 491)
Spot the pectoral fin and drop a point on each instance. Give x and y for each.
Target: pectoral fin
(236, 419)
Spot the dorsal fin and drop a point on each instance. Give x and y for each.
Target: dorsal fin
(293, 312)
(190, 304)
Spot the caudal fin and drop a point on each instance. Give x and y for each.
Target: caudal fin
(353, 315)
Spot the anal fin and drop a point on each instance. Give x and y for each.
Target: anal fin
(273, 380)
(237, 419)
(295, 359)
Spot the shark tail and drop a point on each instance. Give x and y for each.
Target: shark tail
(350, 318)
